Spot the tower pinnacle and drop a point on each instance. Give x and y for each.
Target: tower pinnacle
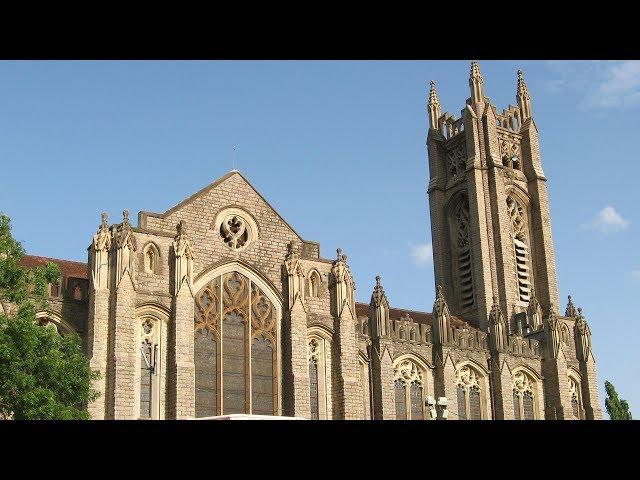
(476, 83)
(524, 100)
(433, 106)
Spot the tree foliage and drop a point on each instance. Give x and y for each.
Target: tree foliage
(43, 375)
(617, 408)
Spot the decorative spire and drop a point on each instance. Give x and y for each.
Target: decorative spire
(125, 218)
(524, 100)
(571, 309)
(476, 82)
(433, 106)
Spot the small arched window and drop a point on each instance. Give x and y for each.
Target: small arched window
(409, 386)
(149, 369)
(151, 257)
(524, 388)
(469, 392)
(314, 284)
(318, 382)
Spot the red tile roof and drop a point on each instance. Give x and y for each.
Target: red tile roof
(67, 267)
(362, 309)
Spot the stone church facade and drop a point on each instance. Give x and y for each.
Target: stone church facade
(218, 306)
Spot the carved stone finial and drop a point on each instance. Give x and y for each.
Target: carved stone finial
(580, 312)
(339, 252)
(125, 217)
(378, 278)
(181, 227)
(571, 309)
(290, 247)
(439, 292)
(104, 223)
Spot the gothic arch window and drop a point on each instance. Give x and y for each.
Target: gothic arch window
(151, 257)
(150, 367)
(524, 396)
(319, 376)
(409, 386)
(470, 393)
(460, 235)
(314, 284)
(235, 345)
(522, 250)
(576, 398)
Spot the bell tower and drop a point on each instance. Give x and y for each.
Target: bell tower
(490, 219)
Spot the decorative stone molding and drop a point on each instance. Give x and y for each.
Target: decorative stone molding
(408, 372)
(183, 257)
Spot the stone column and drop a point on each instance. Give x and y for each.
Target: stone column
(500, 383)
(383, 400)
(554, 371)
(296, 362)
(590, 396)
(98, 321)
(182, 366)
(346, 395)
(123, 328)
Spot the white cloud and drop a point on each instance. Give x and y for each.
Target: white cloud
(422, 254)
(602, 84)
(635, 274)
(608, 220)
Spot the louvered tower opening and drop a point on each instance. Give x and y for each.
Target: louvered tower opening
(521, 249)
(522, 270)
(464, 267)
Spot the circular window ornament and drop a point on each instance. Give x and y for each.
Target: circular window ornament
(237, 229)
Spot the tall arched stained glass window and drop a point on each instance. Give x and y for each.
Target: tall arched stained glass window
(235, 348)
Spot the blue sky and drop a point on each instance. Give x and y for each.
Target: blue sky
(338, 148)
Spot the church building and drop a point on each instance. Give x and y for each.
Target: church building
(218, 306)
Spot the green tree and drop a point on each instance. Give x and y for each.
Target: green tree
(43, 375)
(617, 408)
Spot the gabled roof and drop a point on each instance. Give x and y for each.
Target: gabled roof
(68, 268)
(213, 185)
